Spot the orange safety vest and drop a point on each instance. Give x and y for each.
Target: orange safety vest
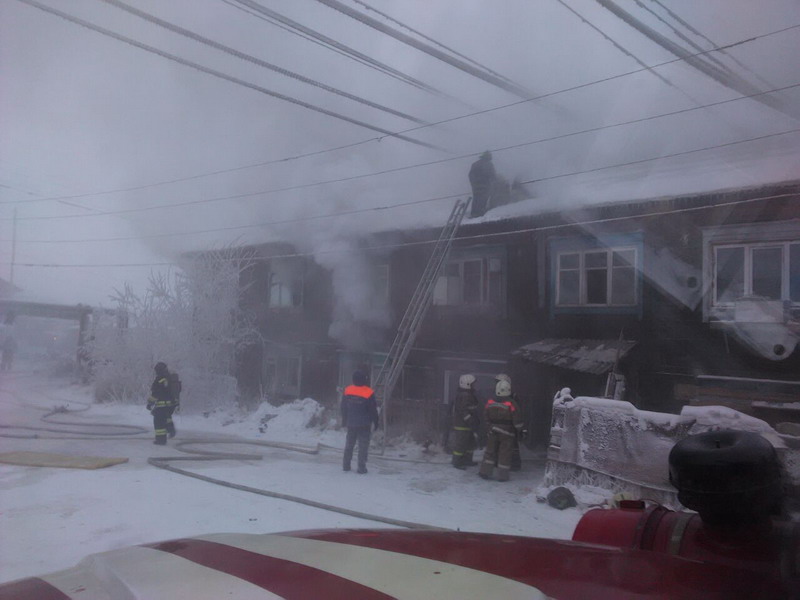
(363, 391)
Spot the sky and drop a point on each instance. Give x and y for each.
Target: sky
(119, 151)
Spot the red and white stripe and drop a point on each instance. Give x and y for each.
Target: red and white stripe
(258, 567)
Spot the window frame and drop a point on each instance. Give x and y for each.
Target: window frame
(288, 277)
(583, 275)
(492, 289)
(557, 247)
(747, 267)
(749, 236)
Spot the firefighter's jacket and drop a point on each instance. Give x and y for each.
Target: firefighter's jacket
(503, 416)
(359, 408)
(160, 395)
(466, 410)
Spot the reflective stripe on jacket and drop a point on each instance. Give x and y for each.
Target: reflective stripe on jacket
(502, 413)
(160, 395)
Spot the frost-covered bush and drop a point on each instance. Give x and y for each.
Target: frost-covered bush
(190, 319)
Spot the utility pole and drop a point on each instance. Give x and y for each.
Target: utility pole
(13, 246)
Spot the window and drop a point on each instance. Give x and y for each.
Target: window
(380, 290)
(282, 375)
(605, 277)
(285, 285)
(768, 270)
(471, 281)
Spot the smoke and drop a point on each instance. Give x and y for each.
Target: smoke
(360, 311)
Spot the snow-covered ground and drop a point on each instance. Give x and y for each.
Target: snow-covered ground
(52, 517)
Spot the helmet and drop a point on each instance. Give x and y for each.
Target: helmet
(502, 389)
(486, 155)
(161, 368)
(359, 378)
(465, 381)
(502, 377)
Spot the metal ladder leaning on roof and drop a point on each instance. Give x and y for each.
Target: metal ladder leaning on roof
(415, 314)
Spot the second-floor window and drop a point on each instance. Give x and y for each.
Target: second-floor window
(766, 270)
(476, 281)
(380, 289)
(599, 277)
(285, 285)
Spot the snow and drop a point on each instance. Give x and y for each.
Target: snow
(722, 417)
(51, 518)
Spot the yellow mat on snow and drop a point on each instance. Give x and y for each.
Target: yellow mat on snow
(47, 459)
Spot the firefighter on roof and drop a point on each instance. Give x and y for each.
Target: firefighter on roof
(162, 403)
(504, 424)
(465, 422)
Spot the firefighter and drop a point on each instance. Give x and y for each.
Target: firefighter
(359, 415)
(516, 458)
(504, 424)
(482, 177)
(465, 422)
(161, 404)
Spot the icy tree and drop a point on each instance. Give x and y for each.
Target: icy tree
(190, 319)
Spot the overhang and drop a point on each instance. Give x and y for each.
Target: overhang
(587, 356)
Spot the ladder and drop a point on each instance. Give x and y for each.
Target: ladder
(415, 313)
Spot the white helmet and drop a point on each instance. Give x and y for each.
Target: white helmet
(502, 377)
(502, 389)
(465, 381)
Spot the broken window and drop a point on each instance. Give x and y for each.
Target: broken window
(471, 281)
(285, 284)
(597, 278)
(281, 375)
(380, 291)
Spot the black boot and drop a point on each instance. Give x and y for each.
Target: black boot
(458, 462)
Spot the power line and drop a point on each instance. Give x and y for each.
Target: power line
(403, 168)
(218, 74)
(493, 235)
(232, 3)
(333, 44)
(729, 80)
(682, 36)
(251, 225)
(430, 39)
(616, 44)
(502, 83)
(698, 33)
(412, 129)
(257, 61)
(571, 174)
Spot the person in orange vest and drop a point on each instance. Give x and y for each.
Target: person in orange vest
(504, 424)
(359, 415)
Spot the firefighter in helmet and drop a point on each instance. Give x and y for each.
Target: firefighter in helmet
(504, 424)
(516, 458)
(465, 422)
(161, 404)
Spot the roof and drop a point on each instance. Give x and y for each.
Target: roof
(588, 356)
